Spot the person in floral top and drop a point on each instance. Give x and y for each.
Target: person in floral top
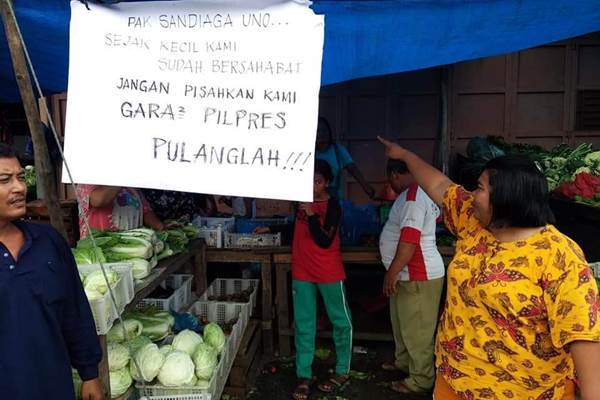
(114, 209)
(180, 206)
(521, 313)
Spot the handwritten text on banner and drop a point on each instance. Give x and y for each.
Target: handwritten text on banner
(195, 96)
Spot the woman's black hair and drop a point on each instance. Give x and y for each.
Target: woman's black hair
(324, 123)
(323, 168)
(518, 193)
(396, 166)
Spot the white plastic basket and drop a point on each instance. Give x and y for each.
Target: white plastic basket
(227, 224)
(215, 312)
(181, 297)
(595, 267)
(124, 291)
(252, 240)
(201, 396)
(213, 237)
(224, 287)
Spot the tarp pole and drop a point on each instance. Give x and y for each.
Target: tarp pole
(40, 148)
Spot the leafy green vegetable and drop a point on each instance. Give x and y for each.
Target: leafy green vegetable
(214, 336)
(177, 370)
(187, 341)
(88, 256)
(150, 360)
(137, 343)
(132, 327)
(205, 360)
(95, 281)
(120, 381)
(118, 356)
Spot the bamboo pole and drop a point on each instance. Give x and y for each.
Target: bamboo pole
(40, 148)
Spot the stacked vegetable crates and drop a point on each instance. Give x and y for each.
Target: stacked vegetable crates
(212, 230)
(181, 297)
(215, 312)
(102, 310)
(219, 312)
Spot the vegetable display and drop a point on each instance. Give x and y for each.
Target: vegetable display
(214, 336)
(572, 172)
(177, 370)
(187, 341)
(120, 381)
(240, 297)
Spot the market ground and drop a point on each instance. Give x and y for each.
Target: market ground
(277, 378)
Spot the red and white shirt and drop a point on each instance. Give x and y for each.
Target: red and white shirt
(413, 220)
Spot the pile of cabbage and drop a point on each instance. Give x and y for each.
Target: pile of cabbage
(190, 359)
(142, 247)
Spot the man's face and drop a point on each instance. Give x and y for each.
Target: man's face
(13, 191)
(399, 182)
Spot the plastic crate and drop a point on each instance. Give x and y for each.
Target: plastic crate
(221, 312)
(595, 266)
(223, 287)
(201, 396)
(251, 240)
(102, 310)
(226, 224)
(248, 225)
(181, 297)
(213, 237)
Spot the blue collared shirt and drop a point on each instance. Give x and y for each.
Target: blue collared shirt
(46, 324)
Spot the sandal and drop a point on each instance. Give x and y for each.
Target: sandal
(302, 391)
(400, 387)
(334, 383)
(389, 366)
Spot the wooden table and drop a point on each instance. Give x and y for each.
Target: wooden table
(194, 255)
(260, 256)
(282, 260)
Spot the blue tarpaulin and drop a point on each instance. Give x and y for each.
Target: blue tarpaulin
(362, 37)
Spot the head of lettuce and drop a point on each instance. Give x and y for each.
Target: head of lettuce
(45, 319)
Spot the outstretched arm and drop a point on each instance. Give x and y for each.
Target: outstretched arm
(433, 182)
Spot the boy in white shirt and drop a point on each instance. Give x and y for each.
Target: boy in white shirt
(414, 279)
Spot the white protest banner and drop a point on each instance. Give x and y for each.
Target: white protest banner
(195, 96)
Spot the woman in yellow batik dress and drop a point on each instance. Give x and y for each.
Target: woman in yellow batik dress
(522, 305)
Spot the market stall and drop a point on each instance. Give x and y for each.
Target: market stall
(351, 256)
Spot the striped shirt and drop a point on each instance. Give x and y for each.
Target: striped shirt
(413, 220)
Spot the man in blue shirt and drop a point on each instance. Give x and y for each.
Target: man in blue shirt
(46, 325)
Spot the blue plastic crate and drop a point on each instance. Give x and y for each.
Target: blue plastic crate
(247, 225)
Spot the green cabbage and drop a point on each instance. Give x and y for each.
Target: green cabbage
(132, 326)
(157, 324)
(177, 370)
(141, 268)
(202, 384)
(166, 349)
(187, 341)
(88, 256)
(95, 281)
(93, 294)
(132, 247)
(77, 382)
(205, 360)
(150, 360)
(120, 381)
(137, 343)
(214, 336)
(118, 356)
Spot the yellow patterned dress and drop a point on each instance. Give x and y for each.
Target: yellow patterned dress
(511, 309)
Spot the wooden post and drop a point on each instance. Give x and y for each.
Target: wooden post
(42, 158)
